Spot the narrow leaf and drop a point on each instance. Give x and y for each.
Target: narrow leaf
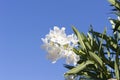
(79, 37)
(96, 58)
(79, 68)
(115, 3)
(116, 71)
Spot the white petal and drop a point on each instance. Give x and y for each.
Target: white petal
(53, 54)
(72, 58)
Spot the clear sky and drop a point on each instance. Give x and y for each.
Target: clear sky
(24, 22)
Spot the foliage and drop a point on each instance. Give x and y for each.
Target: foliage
(99, 53)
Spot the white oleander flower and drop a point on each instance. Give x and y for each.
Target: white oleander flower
(54, 54)
(59, 45)
(71, 57)
(58, 36)
(73, 40)
(52, 49)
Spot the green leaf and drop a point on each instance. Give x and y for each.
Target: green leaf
(79, 68)
(116, 25)
(116, 64)
(80, 37)
(81, 52)
(101, 42)
(86, 42)
(111, 42)
(115, 3)
(116, 70)
(90, 39)
(96, 58)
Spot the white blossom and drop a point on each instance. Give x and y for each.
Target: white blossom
(71, 57)
(53, 52)
(58, 36)
(59, 45)
(73, 39)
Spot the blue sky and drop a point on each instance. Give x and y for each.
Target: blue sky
(24, 22)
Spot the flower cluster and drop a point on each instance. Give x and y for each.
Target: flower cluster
(59, 45)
